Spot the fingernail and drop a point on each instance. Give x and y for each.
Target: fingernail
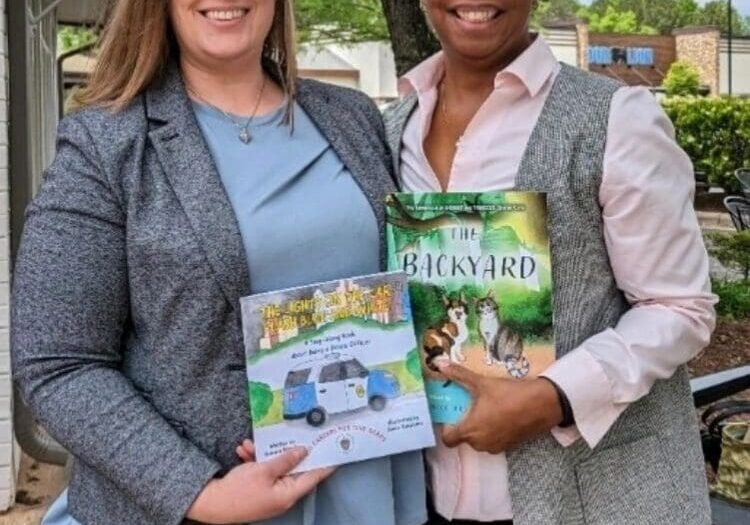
(300, 452)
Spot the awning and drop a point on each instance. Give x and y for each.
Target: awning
(81, 12)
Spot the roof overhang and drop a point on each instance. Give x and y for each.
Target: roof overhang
(81, 12)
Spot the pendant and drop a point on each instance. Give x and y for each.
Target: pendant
(245, 136)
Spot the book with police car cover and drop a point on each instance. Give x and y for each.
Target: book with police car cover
(480, 281)
(334, 367)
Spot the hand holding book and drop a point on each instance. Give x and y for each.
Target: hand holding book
(230, 499)
(480, 278)
(503, 412)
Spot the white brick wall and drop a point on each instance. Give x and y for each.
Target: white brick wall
(8, 454)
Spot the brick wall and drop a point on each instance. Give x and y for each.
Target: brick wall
(8, 455)
(700, 47)
(582, 33)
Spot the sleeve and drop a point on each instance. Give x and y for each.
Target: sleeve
(69, 309)
(659, 260)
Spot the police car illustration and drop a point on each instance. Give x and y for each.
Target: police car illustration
(334, 386)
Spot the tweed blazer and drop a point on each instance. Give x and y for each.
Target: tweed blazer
(127, 341)
(648, 469)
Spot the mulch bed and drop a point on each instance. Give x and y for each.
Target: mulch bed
(729, 348)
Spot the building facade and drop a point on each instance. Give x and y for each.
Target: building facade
(638, 60)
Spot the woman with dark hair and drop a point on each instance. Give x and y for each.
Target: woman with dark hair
(199, 170)
(609, 434)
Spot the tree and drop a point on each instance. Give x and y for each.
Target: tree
(261, 399)
(350, 21)
(615, 21)
(733, 250)
(715, 13)
(411, 38)
(663, 16)
(414, 364)
(682, 79)
(555, 10)
(342, 21)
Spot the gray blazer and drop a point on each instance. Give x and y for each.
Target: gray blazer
(126, 333)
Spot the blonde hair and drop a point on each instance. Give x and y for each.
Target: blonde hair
(138, 43)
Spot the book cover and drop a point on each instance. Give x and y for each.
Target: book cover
(480, 282)
(334, 367)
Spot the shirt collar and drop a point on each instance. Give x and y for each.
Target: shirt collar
(533, 68)
(424, 77)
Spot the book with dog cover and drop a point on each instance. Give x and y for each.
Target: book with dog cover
(334, 367)
(480, 282)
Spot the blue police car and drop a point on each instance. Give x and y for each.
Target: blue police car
(317, 390)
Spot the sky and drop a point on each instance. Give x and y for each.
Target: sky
(743, 6)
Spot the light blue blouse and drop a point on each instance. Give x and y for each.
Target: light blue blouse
(303, 219)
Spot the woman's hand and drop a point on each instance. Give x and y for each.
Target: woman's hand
(255, 491)
(504, 412)
(246, 451)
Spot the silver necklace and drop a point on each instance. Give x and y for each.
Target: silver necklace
(244, 132)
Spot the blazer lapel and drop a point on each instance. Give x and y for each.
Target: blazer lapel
(396, 117)
(191, 171)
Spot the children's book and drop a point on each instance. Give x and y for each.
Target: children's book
(480, 282)
(334, 367)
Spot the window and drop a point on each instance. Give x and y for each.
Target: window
(297, 377)
(332, 372)
(355, 369)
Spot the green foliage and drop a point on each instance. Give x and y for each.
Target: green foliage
(716, 13)
(734, 298)
(261, 398)
(614, 20)
(342, 21)
(682, 79)
(647, 17)
(275, 413)
(430, 310)
(409, 379)
(528, 314)
(733, 251)
(73, 37)
(414, 365)
(664, 16)
(555, 10)
(715, 133)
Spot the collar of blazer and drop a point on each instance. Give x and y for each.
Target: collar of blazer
(396, 116)
(189, 166)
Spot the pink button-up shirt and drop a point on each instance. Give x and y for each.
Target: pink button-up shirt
(652, 236)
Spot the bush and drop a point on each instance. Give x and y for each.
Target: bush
(715, 133)
(682, 79)
(733, 251)
(261, 399)
(734, 298)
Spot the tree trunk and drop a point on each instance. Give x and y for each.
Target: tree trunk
(411, 38)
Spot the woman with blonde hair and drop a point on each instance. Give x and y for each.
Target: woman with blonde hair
(199, 170)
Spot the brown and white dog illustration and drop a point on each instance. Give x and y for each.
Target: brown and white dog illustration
(444, 340)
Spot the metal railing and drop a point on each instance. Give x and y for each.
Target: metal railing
(32, 36)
